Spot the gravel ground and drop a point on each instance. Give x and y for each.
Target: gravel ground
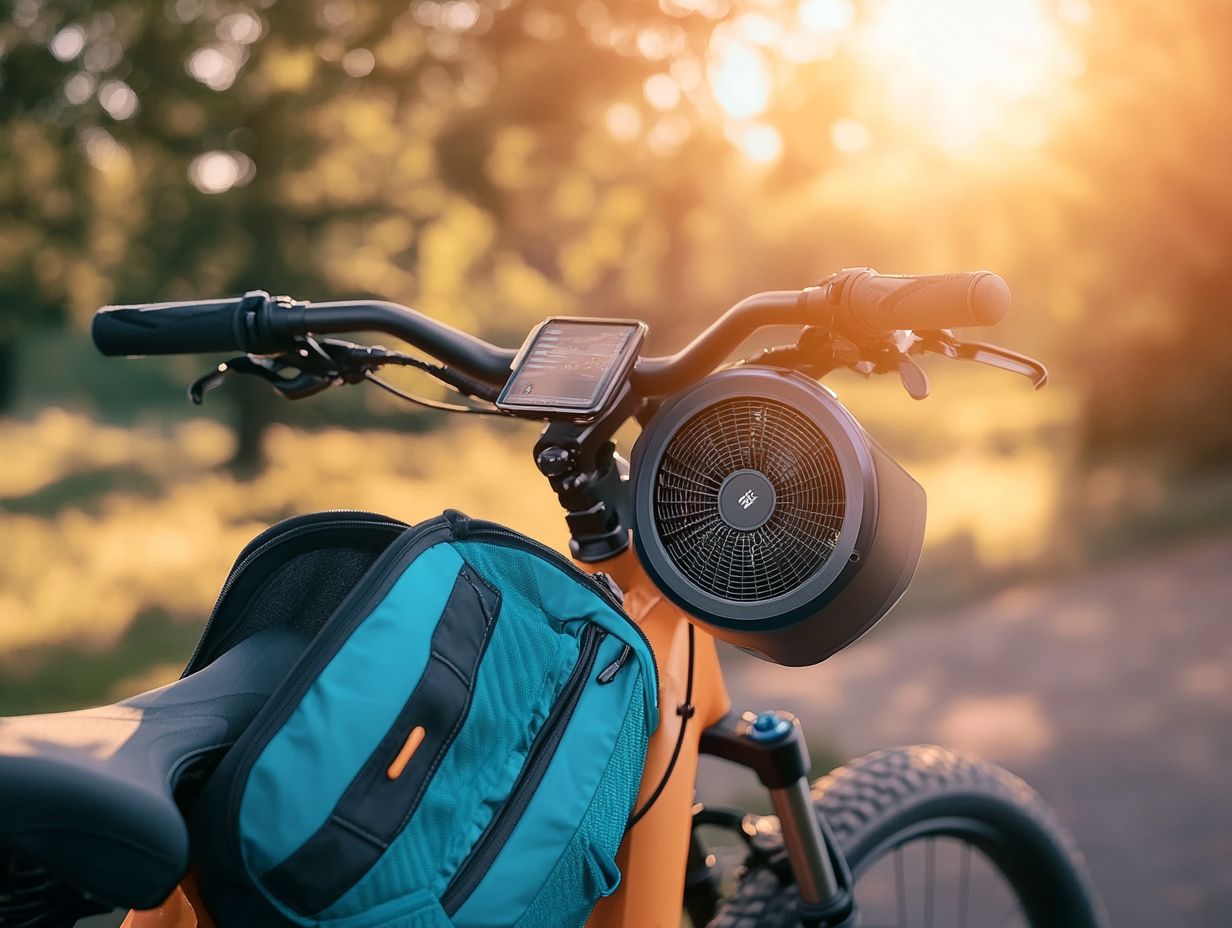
(1111, 693)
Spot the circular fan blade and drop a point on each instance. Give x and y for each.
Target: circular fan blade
(732, 456)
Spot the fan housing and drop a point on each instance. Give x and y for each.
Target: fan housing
(763, 509)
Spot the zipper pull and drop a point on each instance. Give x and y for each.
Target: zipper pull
(608, 674)
(606, 580)
(459, 523)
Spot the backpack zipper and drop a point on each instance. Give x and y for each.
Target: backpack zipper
(271, 538)
(538, 758)
(608, 674)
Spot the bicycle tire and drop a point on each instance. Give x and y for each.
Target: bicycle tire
(874, 803)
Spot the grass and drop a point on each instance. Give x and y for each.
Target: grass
(85, 491)
(116, 540)
(116, 537)
(151, 652)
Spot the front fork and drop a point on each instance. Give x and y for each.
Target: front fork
(772, 746)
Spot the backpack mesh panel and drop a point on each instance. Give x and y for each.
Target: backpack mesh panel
(302, 594)
(562, 900)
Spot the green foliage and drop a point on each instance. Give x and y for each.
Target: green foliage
(151, 652)
(493, 161)
(332, 148)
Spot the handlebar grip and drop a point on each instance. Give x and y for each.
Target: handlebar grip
(868, 304)
(191, 327)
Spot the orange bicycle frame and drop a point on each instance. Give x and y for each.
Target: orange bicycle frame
(654, 853)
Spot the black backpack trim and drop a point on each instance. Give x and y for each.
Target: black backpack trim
(374, 809)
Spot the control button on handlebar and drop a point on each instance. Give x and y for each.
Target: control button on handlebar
(554, 461)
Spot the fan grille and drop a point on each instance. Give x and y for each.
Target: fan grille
(798, 460)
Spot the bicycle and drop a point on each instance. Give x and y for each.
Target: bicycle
(835, 848)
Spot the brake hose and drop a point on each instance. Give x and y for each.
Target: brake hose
(431, 404)
(686, 711)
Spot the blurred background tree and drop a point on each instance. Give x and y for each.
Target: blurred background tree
(190, 147)
(495, 161)
(1154, 237)
(490, 161)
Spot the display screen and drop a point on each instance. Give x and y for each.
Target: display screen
(570, 364)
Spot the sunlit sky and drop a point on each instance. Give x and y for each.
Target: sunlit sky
(956, 74)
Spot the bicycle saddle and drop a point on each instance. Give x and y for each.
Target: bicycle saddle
(90, 796)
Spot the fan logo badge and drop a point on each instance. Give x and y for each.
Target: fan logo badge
(747, 499)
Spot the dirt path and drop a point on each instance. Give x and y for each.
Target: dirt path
(1110, 693)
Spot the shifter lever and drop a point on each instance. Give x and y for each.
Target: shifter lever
(915, 381)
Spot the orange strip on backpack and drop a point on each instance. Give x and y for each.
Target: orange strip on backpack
(413, 740)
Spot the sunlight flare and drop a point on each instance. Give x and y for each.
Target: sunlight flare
(740, 79)
(965, 68)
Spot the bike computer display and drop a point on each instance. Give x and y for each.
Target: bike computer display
(569, 367)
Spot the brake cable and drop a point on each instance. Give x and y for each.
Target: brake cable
(686, 710)
(319, 363)
(467, 386)
(431, 404)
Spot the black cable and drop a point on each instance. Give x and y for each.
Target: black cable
(686, 711)
(431, 404)
(405, 360)
(456, 380)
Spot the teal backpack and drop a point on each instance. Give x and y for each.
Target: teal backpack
(461, 742)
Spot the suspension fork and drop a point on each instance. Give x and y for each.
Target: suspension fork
(772, 746)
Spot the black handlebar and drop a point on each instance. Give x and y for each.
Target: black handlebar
(457, 349)
(660, 376)
(190, 327)
(868, 305)
(258, 324)
(858, 303)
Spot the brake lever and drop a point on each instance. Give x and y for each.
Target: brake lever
(294, 387)
(1006, 360)
(298, 386)
(320, 364)
(943, 342)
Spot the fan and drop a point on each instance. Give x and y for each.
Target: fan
(749, 499)
(756, 504)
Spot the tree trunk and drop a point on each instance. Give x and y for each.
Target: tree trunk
(8, 374)
(255, 411)
(266, 269)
